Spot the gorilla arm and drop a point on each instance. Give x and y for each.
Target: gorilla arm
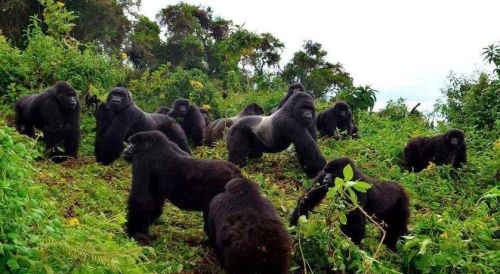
(310, 200)
(109, 142)
(308, 153)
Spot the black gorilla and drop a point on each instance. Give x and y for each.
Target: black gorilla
(246, 231)
(163, 110)
(91, 102)
(441, 149)
(292, 124)
(292, 89)
(215, 130)
(160, 171)
(336, 118)
(386, 200)
(56, 112)
(205, 115)
(120, 118)
(190, 119)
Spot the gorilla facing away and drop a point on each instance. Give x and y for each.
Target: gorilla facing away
(292, 89)
(386, 200)
(216, 129)
(56, 112)
(337, 118)
(120, 118)
(246, 231)
(162, 171)
(441, 149)
(251, 136)
(190, 119)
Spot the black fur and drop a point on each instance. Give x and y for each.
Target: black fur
(292, 89)
(438, 149)
(190, 119)
(216, 129)
(118, 119)
(91, 102)
(56, 112)
(163, 110)
(386, 200)
(292, 124)
(246, 231)
(205, 114)
(336, 119)
(162, 171)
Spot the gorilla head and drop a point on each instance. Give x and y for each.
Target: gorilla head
(302, 107)
(454, 138)
(66, 95)
(295, 87)
(145, 144)
(163, 110)
(342, 110)
(181, 107)
(251, 109)
(204, 113)
(118, 99)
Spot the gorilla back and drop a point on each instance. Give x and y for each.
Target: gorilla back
(291, 124)
(56, 112)
(120, 118)
(160, 171)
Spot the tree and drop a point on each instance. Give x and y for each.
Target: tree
(309, 67)
(144, 41)
(267, 53)
(492, 55)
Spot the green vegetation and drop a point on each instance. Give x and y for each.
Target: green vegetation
(69, 218)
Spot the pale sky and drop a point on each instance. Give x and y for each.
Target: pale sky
(401, 48)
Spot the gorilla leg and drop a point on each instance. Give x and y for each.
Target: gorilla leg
(238, 143)
(71, 142)
(413, 160)
(355, 226)
(139, 217)
(23, 126)
(158, 203)
(397, 223)
(254, 154)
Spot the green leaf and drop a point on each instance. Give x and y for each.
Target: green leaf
(331, 192)
(339, 182)
(423, 246)
(302, 219)
(348, 173)
(361, 186)
(353, 196)
(343, 217)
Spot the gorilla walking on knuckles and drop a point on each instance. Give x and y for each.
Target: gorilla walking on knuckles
(215, 130)
(386, 200)
(337, 118)
(120, 118)
(56, 112)
(246, 231)
(190, 119)
(251, 136)
(162, 171)
(441, 149)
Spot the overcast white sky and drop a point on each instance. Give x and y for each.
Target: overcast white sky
(401, 48)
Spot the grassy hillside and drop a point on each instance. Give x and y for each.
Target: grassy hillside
(453, 225)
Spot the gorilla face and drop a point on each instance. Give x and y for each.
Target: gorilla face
(118, 99)
(334, 169)
(142, 143)
(66, 96)
(342, 110)
(181, 106)
(295, 87)
(204, 112)
(455, 138)
(304, 109)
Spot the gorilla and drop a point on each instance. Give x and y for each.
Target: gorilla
(386, 200)
(119, 118)
(441, 149)
(338, 117)
(204, 113)
(163, 110)
(215, 130)
(56, 112)
(246, 231)
(190, 119)
(161, 171)
(292, 124)
(91, 101)
(292, 89)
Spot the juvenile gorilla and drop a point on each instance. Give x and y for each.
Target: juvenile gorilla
(215, 130)
(190, 119)
(56, 112)
(246, 231)
(162, 171)
(251, 136)
(292, 89)
(120, 118)
(441, 149)
(386, 200)
(336, 118)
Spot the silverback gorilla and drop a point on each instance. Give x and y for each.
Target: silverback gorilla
(215, 130)
(246, 231)
(386, 200)
(162, 171)
(441, 149)
(56, 112)
(120, 118)
(190, 119)
(336, 118)
(251, 136)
